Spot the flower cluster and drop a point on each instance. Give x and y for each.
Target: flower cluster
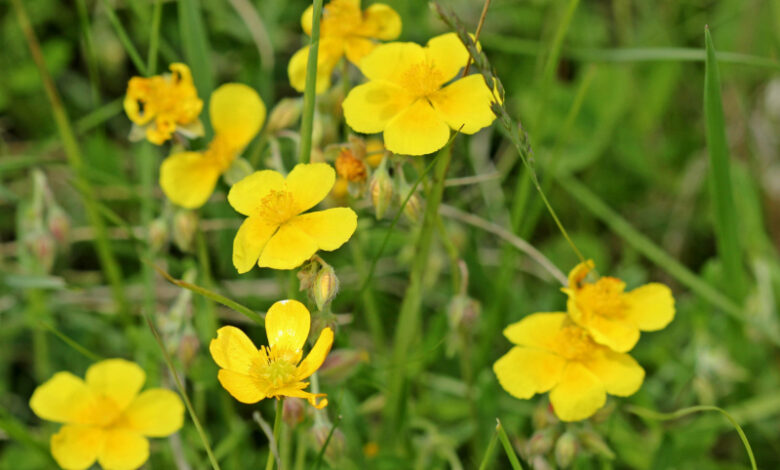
(580, 356)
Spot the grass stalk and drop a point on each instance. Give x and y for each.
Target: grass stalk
(146, 170)
(154, 38)
(409, 314)
(721, 187)
(132, 52)
(75, 161)
(89, 50)
(310, 92)
(510, 451)
(269, 464)
(490, 452)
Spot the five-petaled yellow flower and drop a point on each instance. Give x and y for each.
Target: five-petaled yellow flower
(105, 417)
(276, 234)
(276, 370)
(554, 354)
(409, 96)
(164, 104)
(614, 317)
(344, 30)
(237, 113)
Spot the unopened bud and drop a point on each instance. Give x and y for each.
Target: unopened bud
(158, 233)
(381, 190)
(593, 442)
(341, 364)
(293, 411)
(188, 348)
(308, 274)
(42, 247)
(337, 443)
(185, 223)
(413, 207)
(565, 450)
(543, 416)
(59, 224)
(540, 442)
(350, 167)
(463, 312)
(284, 114)
(326, 286)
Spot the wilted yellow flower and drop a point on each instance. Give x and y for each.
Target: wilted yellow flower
(276, 370)
(237, 113)
(554, 354)
(409, 99)
(164, 104)
(105, 418)
(344, 30)
(276, 234)
(349, 167)
(614, 317)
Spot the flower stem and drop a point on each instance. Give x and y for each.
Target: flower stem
(277, 428)
(409, 316)
(310, 92)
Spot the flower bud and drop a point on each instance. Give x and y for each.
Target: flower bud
(540, 442)
(42, 247)
(413, 207)
(284, 114)
(337, 443)
(381, 190)
(293, 411)
(326, 286)
(350, 167)
(543, 416)
(185, 223)
(341, 364)
(565, 449)
(158, 233)
(189, 345)
(58, 223)
(308, 274)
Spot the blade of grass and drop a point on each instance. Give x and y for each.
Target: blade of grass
(510, 451)
(310, 92)
(73, 152)
(721, 188)
(487, 459)
(154, 38)
(654, 415)
(69, 341)
(89, 49)
(196, 49)
(183, 393)
(321, 453)
(132, 52)
(246, 311)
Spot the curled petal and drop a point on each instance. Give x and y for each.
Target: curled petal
(317, 355)
(618, 335)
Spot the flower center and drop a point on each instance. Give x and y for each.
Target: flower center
(422, 79)
(278, 368)
(277, 207)
(102, 412)
(574, 343)
(603, 298)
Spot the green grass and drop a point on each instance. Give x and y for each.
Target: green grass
(624, 137)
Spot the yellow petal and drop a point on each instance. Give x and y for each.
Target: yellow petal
(448, 55)
(619, 372)
(61, 398)
(329, 54)
(242, 387)
(309, 183)
(465, 104)
(578, 395)
(250, 240)
(188, 178)
(389, 62)
(246, 195)
(76, 447)
(233, 350)
(307, 20)
(618, 335)
(524, 372)
(380, 21)
(330, 228)
(287, 325)
(369, 107)
(578, 273)
(317, 355)
(418, 130)
(650, 307)
(237, 113)
(123, 450)
(310, 397)
(287, 249)
(355, 48)
(538, 330)
(155, 413)
(117, 379)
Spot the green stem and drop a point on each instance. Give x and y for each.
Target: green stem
(310, 92)
(146, 169)
(269, 465)
(367, 295)
(89, 48)
(510, 451)
(132, 52)
(409, 315)
(487, 459)
(154, 38)
(70, 341)
(105, 254)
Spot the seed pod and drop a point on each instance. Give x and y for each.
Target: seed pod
(413, 207)
(158, 233)
(284, 114)
(326, 286)
(185, 223)
(565, 449)
(58, 223)
(42, 247)
(541, 442)
(381, 190)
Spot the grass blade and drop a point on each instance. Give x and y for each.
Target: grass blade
(721, 188)
(132, 52)
(510, 451)
(310, 92)
(197, 51)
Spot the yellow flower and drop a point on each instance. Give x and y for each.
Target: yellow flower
(344, 30)
(276, 234)
(554, 354)
(105, 417)
(406, 97)
(237, 113)
(276, 370)
(164, 104)
(613, 317)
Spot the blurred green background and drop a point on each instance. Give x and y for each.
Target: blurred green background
(617, 120)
